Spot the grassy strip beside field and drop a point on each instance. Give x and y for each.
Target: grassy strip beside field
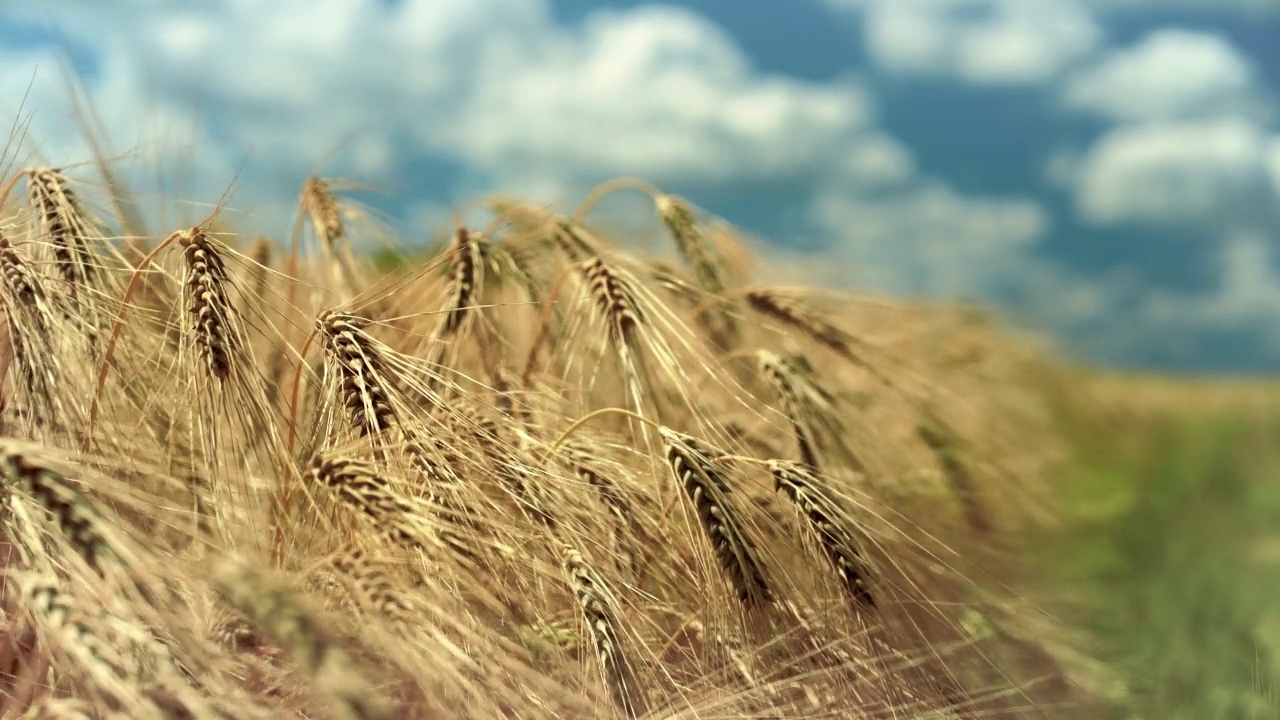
(1171, 555)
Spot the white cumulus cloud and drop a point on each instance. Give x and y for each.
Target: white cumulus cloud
(928, 240)
(1266, 6)
(1172, 172)
(656, 91)
(495, 87)
(1273, 164)
(875, 161)
(1172, 73)
(983, 42)
(1245, 296)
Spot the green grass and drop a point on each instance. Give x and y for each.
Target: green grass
(1171, 557)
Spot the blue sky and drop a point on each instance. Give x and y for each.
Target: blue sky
(1104, 171)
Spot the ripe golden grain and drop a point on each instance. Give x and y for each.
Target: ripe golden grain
(439, 492)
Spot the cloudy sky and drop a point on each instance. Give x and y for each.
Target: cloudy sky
(1106, 170)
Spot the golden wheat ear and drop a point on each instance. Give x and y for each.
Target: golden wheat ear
(74, 514)
(573, 240)
(705, 484)
(615, 300)
(208, 304)
(358, 486)
(708, 268)
(111, 677)
(602, 617)
(63, 226)
(784, 382)
(944, 445)
(793, 311)
(358, 362)
(324, 211)
(830, 524)
(626, 520)
(466, 252)
(377, 589)
(33, 322)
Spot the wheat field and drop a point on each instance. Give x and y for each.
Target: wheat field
(539, 474)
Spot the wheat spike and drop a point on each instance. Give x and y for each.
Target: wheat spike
(359, 487)
(324, 212)
(573, 241)
(828, 522)
(61, 220)
(465, 280)
(795, 312)
(112, 675)
(30, 324)
(72, 511)
(780, 376)
(358, 362)
(943, 445)
(377, 589)
(208, 305)
(614, 298)
(600, 613)
(707, 266)
(624, 514)
(690, 461)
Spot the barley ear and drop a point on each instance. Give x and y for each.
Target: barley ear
(600, 613)
(706, 487)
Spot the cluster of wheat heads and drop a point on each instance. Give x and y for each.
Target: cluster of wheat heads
(533, 476)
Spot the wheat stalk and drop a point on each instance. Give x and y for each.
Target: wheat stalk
(72, 512)
(784, 382)
(943, 445)
(573, 241)
(112, 675)
(465, 280)
(358, 486)
(617, 303)
(322, 209)
(795, 312)
(377, 589)
(30, 325)
(626, 519)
